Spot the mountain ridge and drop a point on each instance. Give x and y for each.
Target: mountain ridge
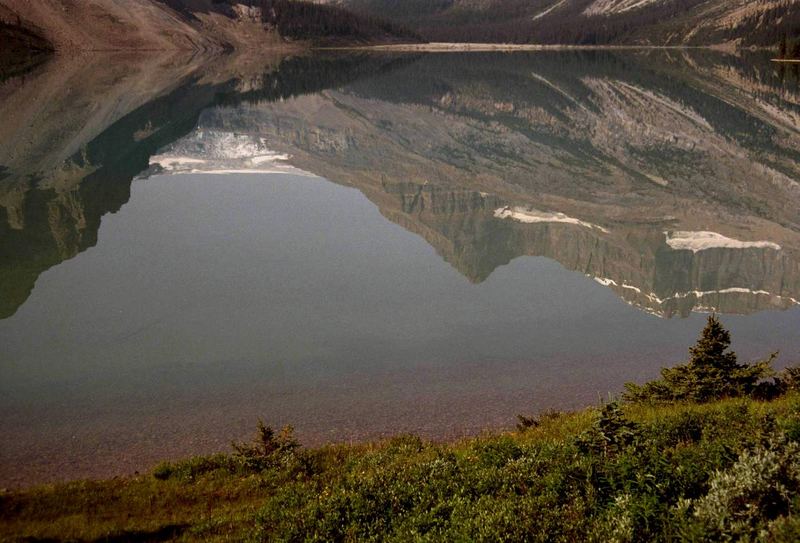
(66, 25)
(594, 22)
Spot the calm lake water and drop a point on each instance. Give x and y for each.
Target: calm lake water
(362, 245)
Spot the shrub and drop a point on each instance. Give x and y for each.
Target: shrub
(191, 469)
(267, 450)
(525, 423)
(611, 433)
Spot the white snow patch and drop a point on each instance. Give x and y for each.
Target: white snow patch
(700, 241)
(607, 7)
(548, 10)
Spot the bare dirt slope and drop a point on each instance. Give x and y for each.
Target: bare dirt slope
(107, 24)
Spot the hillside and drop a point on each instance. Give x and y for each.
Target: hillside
(591, 22)
(104, 25)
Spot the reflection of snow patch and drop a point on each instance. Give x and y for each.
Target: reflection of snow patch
(268, 158)
(262, 164)
(697, 294)
(531, 216)
(608, 282)
(731, 290)
(701, 293)
(217, 152)
(169, 162)
(700, 241)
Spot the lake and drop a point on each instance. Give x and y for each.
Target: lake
(366, 244)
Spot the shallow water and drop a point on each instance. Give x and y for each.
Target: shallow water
(365, 245)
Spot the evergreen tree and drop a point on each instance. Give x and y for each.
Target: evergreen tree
(712, 366)
(794, 49)
(712, 372)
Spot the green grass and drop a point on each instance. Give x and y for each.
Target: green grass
(722, 470)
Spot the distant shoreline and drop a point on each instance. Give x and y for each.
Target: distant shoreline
(448, 47)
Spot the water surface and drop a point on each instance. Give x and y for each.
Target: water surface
(362, 245)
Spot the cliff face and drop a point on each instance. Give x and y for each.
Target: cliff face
(670, 180)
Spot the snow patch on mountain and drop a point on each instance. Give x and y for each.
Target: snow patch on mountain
(609, 7)
(549, 9)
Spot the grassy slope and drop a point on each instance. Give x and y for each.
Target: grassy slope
(545, 483)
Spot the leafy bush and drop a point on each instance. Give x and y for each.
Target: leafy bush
(618, 480)
(746, 500)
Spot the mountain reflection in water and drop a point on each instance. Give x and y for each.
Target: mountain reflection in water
(388, 296)
(595, 160)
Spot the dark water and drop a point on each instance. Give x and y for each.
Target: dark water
(364, 245)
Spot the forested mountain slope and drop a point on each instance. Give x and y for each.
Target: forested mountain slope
(225, 24)
(589, 22)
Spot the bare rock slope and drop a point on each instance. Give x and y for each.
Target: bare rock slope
(115, 25)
